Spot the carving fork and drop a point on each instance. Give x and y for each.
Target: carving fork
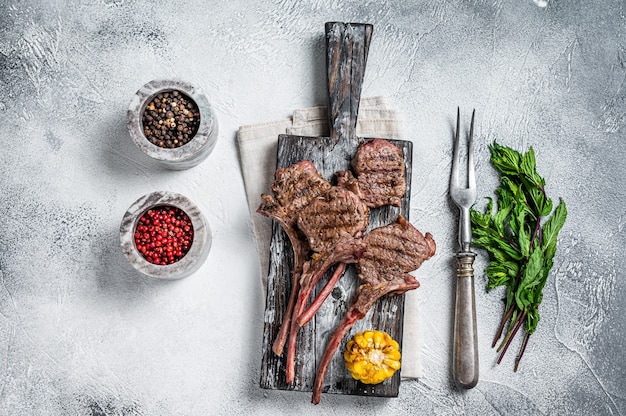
(465, 344)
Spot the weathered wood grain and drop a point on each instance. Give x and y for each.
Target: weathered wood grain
(347, 47)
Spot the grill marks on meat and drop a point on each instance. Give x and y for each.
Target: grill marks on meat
(293, 188)
(333, 224)
(379, 167)
(335, 214)
(392, 252)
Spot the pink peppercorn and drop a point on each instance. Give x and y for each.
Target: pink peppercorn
(164, 235)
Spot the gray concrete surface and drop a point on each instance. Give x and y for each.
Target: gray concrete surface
(81, 333)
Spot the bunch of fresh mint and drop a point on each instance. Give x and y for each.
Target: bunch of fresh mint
(520, 237)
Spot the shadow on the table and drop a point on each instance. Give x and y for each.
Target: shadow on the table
(116, 278)
(121, 159)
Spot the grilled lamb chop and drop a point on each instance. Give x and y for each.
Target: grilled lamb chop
(335, 214)
(327, 222)
(379, 167)
(333, 224)
(294, 188)
(392, 252)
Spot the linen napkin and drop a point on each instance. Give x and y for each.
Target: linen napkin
(257, 150)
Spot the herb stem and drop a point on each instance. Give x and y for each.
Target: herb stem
(519, 357)
(509, 331)
(536, 231)
(505, 318)
(510, 337)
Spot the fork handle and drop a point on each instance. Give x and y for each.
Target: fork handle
(465, 344)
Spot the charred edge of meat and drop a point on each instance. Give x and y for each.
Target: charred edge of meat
(269, 207)
(378, 155)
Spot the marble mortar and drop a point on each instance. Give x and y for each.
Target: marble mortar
(198, 251)
(188, 155)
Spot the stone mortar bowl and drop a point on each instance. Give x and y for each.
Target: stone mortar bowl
(183, 157)
(200, 245)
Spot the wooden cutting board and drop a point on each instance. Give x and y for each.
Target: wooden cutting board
(347, 47)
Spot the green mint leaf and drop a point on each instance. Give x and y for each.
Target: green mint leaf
(528, 164)
(505, 160)
(547, 208)
(525, 296)
(529, 168)
(551, 229)
(532, 319)
(479, 219)
(499, 220)
(519, 224)
(511, 191)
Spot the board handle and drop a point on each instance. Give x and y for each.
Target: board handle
(347, 46)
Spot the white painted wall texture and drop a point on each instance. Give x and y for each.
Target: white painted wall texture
(81, 333)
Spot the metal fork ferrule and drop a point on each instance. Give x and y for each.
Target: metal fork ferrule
(465, 264)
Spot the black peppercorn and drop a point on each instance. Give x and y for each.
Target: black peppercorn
(170, 119)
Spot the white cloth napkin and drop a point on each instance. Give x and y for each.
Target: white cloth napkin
(257, 149)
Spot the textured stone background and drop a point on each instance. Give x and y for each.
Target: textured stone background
(82, 334)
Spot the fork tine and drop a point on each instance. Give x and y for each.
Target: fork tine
(454, 180)
(458, 123)
(471, 176)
